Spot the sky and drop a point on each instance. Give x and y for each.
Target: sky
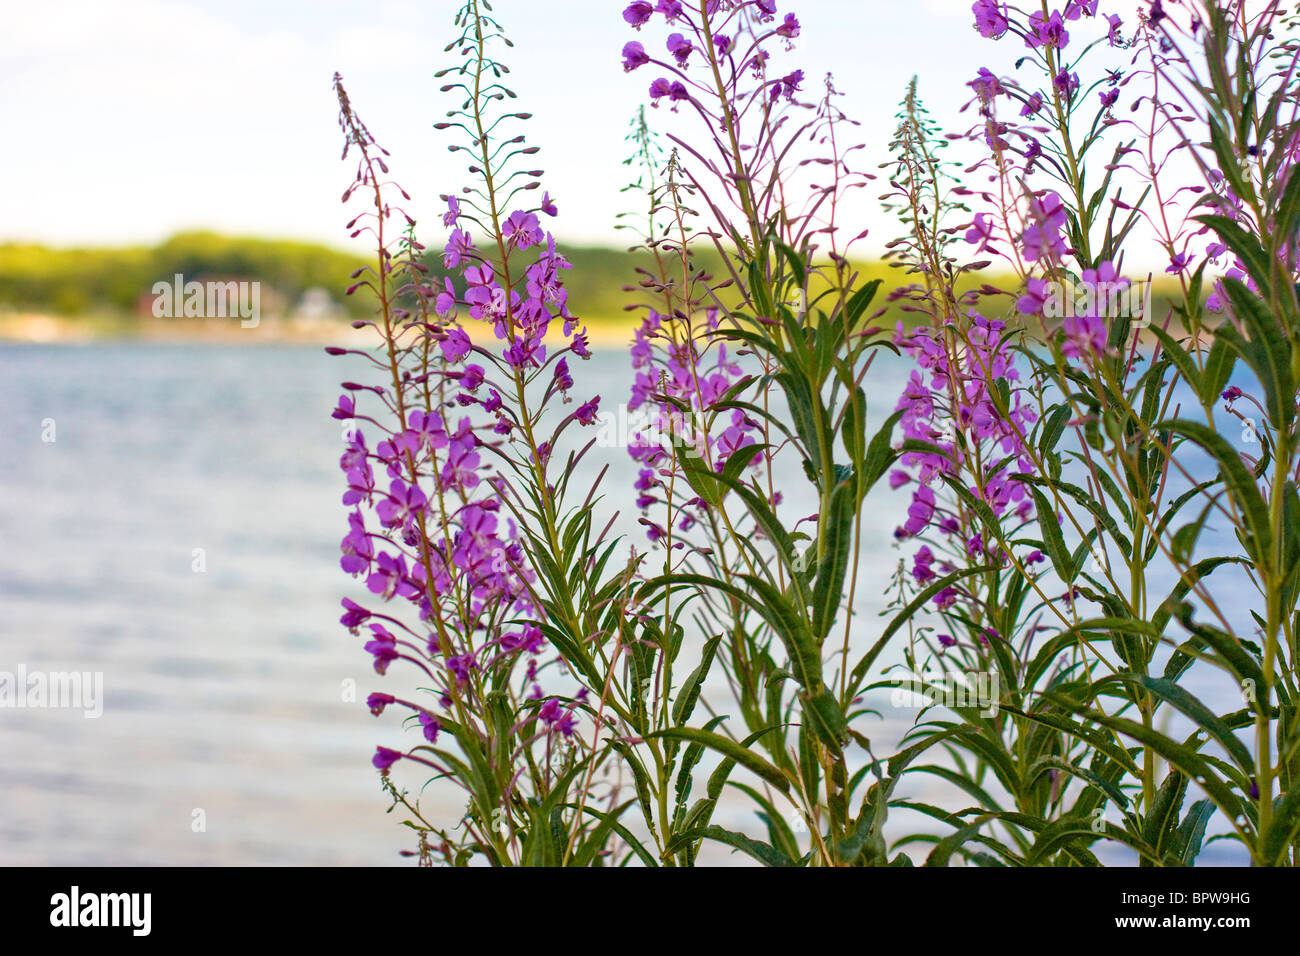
(131, 120)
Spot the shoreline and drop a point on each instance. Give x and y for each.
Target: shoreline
(42, 329)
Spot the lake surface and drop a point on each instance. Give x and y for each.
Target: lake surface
(180, 535)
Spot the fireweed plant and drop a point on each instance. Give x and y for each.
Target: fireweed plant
(1098, 518)
(1108, 599)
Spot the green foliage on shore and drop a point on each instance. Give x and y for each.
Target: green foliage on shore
(75, 281)
(114, 282)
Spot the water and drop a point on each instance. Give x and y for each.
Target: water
(180, 535)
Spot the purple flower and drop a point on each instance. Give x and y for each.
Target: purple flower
(425, 430)
(452, 215)
(1066, 84)
(986, 85)
(1085, 336)
(735, 438)
(921, 569)
(383, 648)
(445, 303)
(354, 615)
(1032, 105)
(1113, 35)
(458, 248)
(1050, 33)
(586, 413)
(788, 85)
(1042, 238)
(461, 469)
(563, 380)
(1104, 275)
(548, 206)
(476, 541)
(461, 666)
(357, 549)
(522, 230)
(431, 727)
(946, 640)
(671, 9)
(456, 345)
(993, 135)
(361, 479)
(471, 378)
(385, 758)
(990, 18)
(1231, 393)
(920, 511)
(679, 47)
(403, 506)
(634, 55)
(981, 231)
(529, 640)
(557, 718)
(391, 578)
(377, 702)
(638, 14)
(1037, 292)
(789, 27)
(1108, 98)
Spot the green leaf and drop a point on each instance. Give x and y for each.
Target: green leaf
(1162, 816)
(1238, 480)
(1053, 541)
(762, 852)
(1194, 765)
(1196, 711)
(1187, 840)
(880, 455)
(1218, 370)
(1267, 351)
(861, 301)
(1179, 356)
(823, 711)
(837, 534)
(690, 689)
(1282, 832)
(730, 749)
(1286, 219)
